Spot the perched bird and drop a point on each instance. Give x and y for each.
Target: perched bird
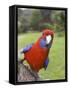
(37, 54)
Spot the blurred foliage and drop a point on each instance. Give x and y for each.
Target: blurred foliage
(39, 19)
(35, 20)
(59, 20)
(23, 26)
(47, 25)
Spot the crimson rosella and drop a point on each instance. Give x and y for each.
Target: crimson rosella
(37, 54)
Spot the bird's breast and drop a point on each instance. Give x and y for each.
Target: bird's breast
(36, 57)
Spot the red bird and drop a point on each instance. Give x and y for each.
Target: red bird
(37, 54)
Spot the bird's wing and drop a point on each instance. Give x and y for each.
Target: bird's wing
(46, 63)
(26, 48)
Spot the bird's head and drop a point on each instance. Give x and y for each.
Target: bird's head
(47, 35)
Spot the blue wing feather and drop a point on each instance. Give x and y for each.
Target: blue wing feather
(26, 48)
(46, 63)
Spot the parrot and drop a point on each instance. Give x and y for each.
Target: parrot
(37, 54)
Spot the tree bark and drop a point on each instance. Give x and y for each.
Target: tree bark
(26, 74)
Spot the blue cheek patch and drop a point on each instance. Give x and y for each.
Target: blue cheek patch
(43, 43)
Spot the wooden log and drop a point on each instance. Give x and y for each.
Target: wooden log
(26, 74)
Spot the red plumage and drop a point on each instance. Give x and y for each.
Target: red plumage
(37, 55)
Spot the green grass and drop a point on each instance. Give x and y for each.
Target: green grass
(56, 67)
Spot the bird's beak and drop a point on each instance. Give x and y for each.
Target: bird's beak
(48, 39)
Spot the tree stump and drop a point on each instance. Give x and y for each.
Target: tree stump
(26, 74)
